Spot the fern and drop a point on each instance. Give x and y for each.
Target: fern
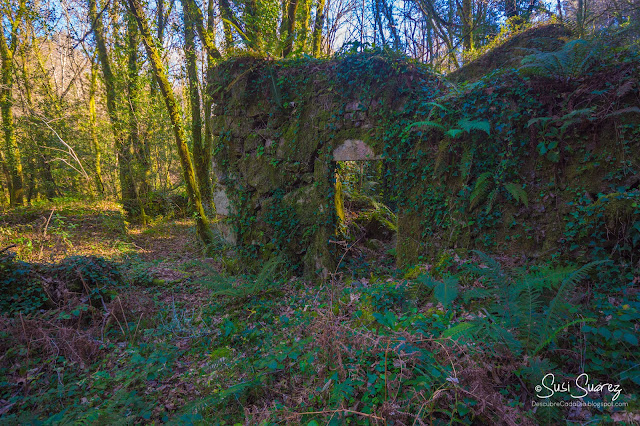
(572, 61)
(559, 303)
(517, 308)
(231, 286)
(442, 151)
(454, 133)
(627, 110)
(432, 124)
(445, 291)
(481, 189)
(465, 164)
(574, 117)
(469, 125)
(517, 192)
(435, 105)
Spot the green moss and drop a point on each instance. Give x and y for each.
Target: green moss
(285, 146)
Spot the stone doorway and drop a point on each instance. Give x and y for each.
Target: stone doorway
(367, 224)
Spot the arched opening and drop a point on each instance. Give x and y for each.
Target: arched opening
(367, 223)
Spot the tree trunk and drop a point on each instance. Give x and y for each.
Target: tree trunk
(140, 168)
(225, 11)
(124, 158)
(317, 28)
(176, 120)
(387, 9)
(200, 160)
(304, 25)
(208, 106)
(254, 37)
(46, 176)
(94, 129)
(466, 17)
(290, 27)
(6, 106)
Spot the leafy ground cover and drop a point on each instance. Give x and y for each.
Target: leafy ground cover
(152, 330)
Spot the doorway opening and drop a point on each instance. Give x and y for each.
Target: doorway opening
(367, 217)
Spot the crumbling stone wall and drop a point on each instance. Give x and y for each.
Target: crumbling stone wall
(281, 126)
(280, 130)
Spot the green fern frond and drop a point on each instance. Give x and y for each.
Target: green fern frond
(552, 335)
(542, 120)
(574, 59)
(469, 125)
(481, 189)
(431, 124)
(437, 105)
(535, 369)
(454, 133)
(459, 330)
(560, 301)
(623, 111)
(574, 117)
(445, 291)
(546, 278)
(492, 271)
(490, 329)
(230, 286)
(465, 164)
(518, 314)
(475, 294)
(517, 192)
(490, 199)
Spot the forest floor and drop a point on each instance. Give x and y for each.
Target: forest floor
(116, 323)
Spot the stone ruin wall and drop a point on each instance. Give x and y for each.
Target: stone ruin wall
(276, 155)
(281, 126)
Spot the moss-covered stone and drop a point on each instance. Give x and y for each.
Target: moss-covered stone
(279, 123)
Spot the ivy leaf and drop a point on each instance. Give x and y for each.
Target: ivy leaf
(604, 332)
(542, 148)
(631, 339)
(553, 156)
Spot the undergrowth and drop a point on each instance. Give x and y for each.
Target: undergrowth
(464, 341)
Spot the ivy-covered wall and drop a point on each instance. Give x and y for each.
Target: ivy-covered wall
(536, 160)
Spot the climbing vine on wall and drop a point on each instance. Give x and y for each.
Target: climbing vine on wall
(476, 165)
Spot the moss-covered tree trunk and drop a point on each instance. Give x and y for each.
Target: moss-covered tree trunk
(140, 168)
(93, 126)
(208, 106)
(252, 27)
(122, 149)
(466, 17)
(175, 114)
(305, 12)
(290, 26)
(226, 13)
(201, 158)
(197, 19)
(317, 28)
(7, 176)
(11, 149)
